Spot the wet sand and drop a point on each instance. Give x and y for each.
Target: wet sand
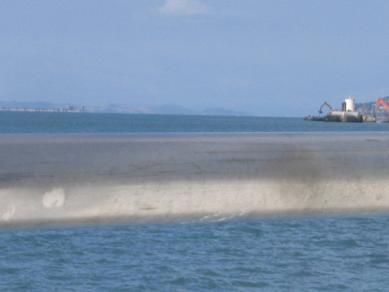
(60, 178)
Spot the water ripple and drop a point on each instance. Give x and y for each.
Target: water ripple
(326, 254)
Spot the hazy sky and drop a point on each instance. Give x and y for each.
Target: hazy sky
(266, 57)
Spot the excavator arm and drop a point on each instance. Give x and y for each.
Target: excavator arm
(325, 104)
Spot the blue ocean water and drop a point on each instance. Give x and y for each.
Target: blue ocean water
(293, 254)
(279, 254)
(25, 122)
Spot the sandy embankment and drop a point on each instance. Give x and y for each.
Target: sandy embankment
(54, 178)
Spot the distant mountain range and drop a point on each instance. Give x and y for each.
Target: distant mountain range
(29, 104)
(168, 109)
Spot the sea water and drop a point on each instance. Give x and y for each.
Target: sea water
(30, 122)
(321, 252)
(281, 254)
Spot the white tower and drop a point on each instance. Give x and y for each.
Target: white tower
(350, 105)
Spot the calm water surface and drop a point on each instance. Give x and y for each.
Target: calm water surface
(19, 122)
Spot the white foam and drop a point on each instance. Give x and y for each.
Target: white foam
(8, 213)
(54, 198)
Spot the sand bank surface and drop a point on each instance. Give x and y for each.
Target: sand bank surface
(88, 177)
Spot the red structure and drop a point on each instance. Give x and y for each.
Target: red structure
(380, 102)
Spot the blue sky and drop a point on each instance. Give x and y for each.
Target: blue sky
(275, 57)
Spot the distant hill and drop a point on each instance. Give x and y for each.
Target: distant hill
(222, 112)
(167, 109)
(28, 104)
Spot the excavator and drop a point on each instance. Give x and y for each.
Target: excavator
(320, 118)
(325, 104)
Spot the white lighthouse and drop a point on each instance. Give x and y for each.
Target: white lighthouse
(349, 104)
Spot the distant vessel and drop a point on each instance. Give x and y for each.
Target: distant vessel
(347, 114)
